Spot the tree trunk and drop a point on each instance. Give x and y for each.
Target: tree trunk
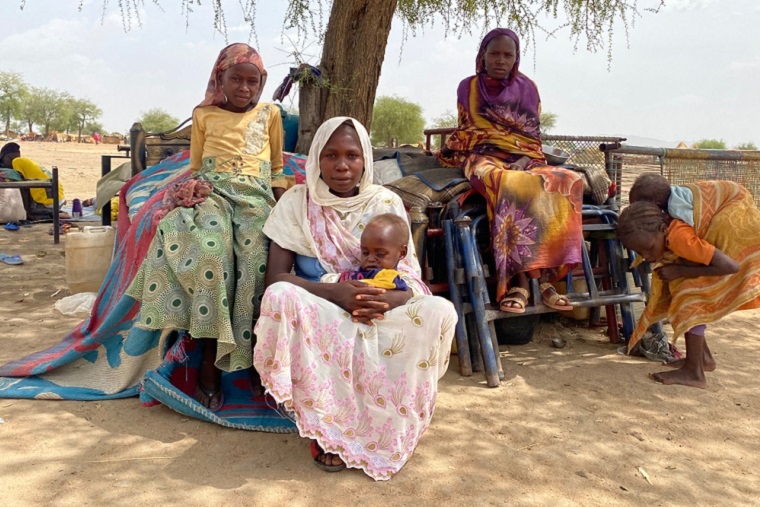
(352, 56)
(31, 125)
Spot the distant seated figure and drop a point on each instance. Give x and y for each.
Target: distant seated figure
(383, 244)
(10, 158)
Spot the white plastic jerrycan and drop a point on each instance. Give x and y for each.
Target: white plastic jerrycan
(88, 257)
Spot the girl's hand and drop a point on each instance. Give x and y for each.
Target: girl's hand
(720, 265)
(669, 272)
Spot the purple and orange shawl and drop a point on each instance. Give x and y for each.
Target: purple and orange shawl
(496, 117)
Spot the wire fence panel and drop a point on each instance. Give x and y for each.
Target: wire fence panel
(682, 166)
(583, 150)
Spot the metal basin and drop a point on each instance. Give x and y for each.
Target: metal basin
(554, 156)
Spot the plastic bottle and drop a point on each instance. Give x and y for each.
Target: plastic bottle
(76, 209)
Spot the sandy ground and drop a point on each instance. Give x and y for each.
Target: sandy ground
(577, 426)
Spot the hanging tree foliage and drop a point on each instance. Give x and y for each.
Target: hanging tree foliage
(355, 36)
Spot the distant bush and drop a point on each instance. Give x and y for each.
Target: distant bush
(710, 144)
(157, 120)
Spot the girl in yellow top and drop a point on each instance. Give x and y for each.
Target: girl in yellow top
(10, 157)
(205, 269)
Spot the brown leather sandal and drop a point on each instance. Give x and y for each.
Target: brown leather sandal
(514, 295)
(551, 300)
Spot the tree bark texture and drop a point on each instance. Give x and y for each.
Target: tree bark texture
(352, 57)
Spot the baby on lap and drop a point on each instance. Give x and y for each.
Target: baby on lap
(383, 244)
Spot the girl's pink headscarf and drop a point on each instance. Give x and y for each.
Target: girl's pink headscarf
(229, 56)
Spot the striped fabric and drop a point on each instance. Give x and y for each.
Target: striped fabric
(107, 356)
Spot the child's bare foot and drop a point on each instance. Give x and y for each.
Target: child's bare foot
(681, 376)
(708, 362)
(211, 398)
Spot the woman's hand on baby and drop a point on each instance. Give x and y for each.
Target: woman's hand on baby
(388, 299)
(360, 300)
(366, 303)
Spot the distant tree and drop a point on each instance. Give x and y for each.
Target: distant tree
(710, 144)
(65, 119)
(157, 120)
(396, 119)
(13, 89)
(92, 127)
(17, 126)
(43, 106)
(749, 146)
(28, 109)
(548, 122)
(84, 112)
(445, 120)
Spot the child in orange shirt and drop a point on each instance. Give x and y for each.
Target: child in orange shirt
(679, 253)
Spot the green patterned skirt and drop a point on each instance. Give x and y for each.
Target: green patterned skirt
(204, 272)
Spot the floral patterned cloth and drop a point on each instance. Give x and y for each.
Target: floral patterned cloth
(535, 217)
(535, 214)
(364, 392)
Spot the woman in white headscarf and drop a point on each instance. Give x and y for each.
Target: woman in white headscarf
(357, 366)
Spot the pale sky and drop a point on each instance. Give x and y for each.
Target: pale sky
(692, 71)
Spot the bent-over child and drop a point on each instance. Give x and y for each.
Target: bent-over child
(701, 273)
